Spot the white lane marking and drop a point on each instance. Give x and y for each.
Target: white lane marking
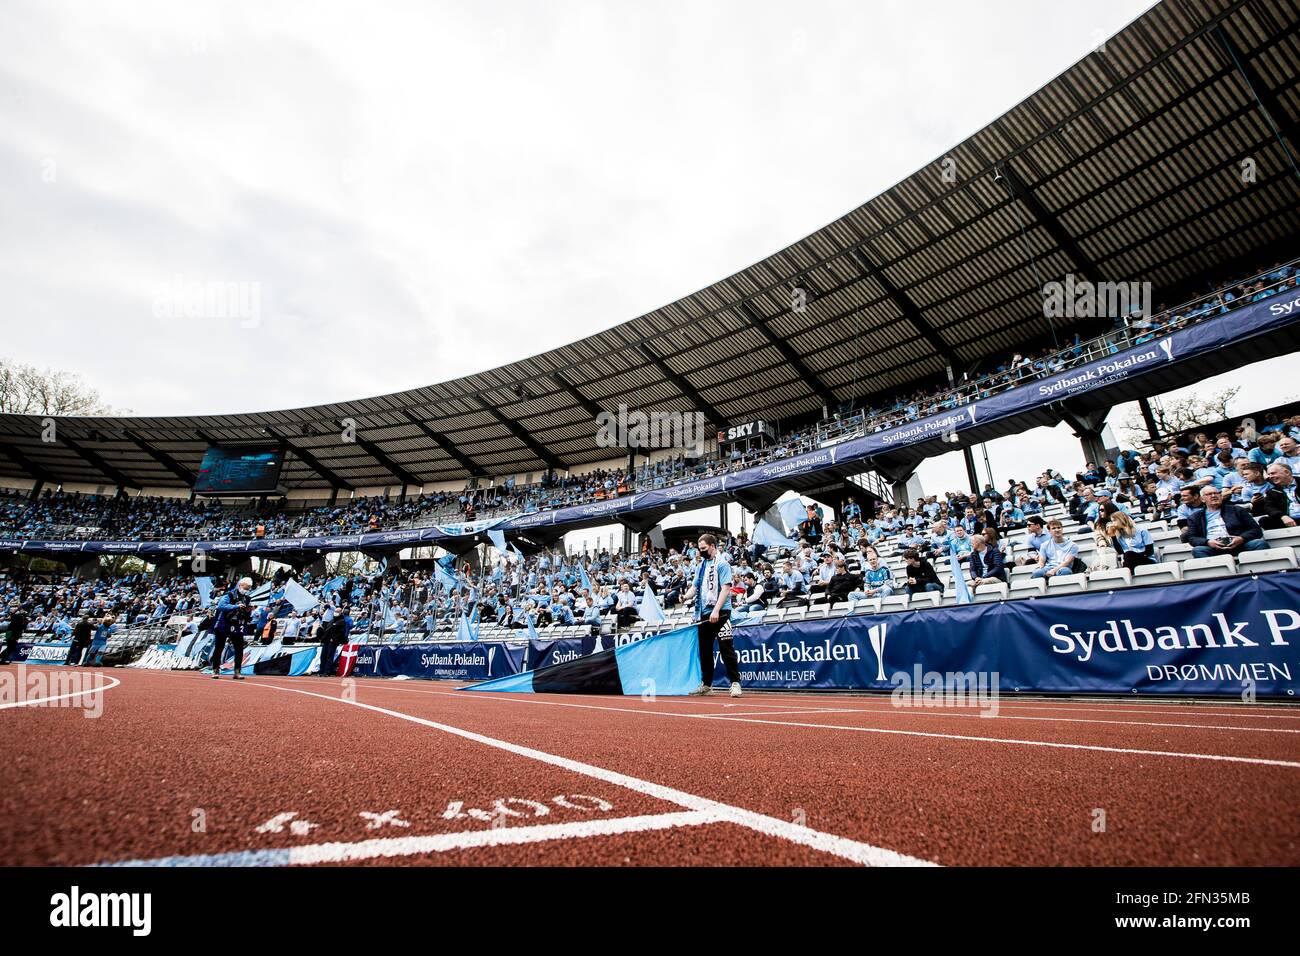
(390, 847)
(886, 707)
(910, 712)
(855, 850)
(1228, 758)
(376, 821)
(1146, 705)
(81, 693)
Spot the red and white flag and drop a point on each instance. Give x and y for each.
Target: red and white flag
(347, 659)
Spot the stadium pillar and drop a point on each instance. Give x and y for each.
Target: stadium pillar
(722, 517)
(1153, 431)
(971, 477)
(627, 540)
(36, 489)
(334, 497)
(900, 491)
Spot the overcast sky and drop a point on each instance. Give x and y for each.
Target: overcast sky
(405, 193)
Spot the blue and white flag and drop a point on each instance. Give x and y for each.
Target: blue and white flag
(297, 595)
(793, 513)
(532, 629)
(649, 609)
(447, 580)
(769, 536)
(586, 581)
(205, 591)
(498, 541)
(959, 580)
(463, 632)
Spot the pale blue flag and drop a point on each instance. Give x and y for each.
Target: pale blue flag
(959, 580)
(650, 610)
(297, 595)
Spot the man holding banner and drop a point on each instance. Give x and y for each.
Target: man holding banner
(712, 593)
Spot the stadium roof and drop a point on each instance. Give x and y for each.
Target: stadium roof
(1127, 167)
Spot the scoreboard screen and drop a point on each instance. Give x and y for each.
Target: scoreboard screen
(240, 470)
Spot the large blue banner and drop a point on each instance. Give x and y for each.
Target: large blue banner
(1228, 637)
(462, 660)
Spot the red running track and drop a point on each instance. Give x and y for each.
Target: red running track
(181, 769)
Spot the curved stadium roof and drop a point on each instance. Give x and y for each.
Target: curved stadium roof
(1125, 167)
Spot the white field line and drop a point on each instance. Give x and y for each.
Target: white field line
(967, 711)
(854, 850)
(1185, 755)
(391, 847)
(96, 687)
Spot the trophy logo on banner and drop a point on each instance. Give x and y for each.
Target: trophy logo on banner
(876, 633)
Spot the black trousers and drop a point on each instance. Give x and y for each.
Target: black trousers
(328, 646)
(236, 639)
(75, 650)
(722, 633)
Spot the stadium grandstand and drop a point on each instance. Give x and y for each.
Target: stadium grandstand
(1082, 251)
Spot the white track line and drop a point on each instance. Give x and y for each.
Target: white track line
(391, 847)
(81, 693)
(848, 849)
(525, 699)
(969, 712)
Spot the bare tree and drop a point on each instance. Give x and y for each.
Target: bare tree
(1181, 414)
(28, 390)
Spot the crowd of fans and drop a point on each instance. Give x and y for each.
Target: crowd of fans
(1221, 490)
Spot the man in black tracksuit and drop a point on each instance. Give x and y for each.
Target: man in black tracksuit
(17, 624)
(230, 620)
(82, 633)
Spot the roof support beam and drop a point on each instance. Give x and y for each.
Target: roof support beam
(1016, 186)
(519, 432)
(683, 386)
(379, 455)
(1277, 118)
(164, 459)
(790, 355)
(14, 454)
(592, 409)
(906, 306)
(310, 461)
(441, 440)
(95, 460)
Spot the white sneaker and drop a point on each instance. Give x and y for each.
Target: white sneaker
(701, 690)
(735, 688)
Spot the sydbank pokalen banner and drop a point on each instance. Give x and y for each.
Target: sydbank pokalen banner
(1223, 638)
(458, 660)
(1256, 318)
